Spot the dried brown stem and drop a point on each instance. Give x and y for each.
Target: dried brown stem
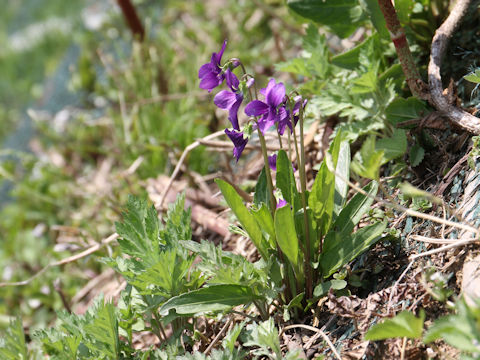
(132, 19)
(440, 40)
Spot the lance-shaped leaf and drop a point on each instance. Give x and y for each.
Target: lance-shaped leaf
(286, 180)
(321, 199)
(243, 215)
(286, 234)
(345, 249)
(213, 298)
(354, 210)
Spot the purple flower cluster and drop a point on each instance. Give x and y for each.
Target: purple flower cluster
(273, 110)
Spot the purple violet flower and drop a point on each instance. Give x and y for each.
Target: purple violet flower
(281, 203)
(239, 142)
(272, 162)
(230, 100)
(270, 109)
(210, 74)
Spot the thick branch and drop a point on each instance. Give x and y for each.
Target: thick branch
(443, 34)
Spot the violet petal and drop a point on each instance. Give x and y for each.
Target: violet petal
(225, 99)
(256, 108)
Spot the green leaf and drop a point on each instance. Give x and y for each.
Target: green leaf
(298, 66)
(405, 324)
(264, 219)
(321, 199)
(265, 335)
(286, 180)
(416, 155)
(168, 277)
(261, 190)
(459, 330)
(323, 288)
(286, 234)
(366, 83)
(213, 298)
(345, 249)
(404, 10)
(350, 59)
(376, 17)
(402, 109)
(243, 215)
(394, 146)
(367, 161)
(336, 14)
(12, 343)
(104, 330)
(342, 175)
(139, 231)
(474, 76)
(354, 210)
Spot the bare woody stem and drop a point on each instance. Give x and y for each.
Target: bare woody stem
(397, 34)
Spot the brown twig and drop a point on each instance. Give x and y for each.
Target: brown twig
(397, 34)
(440, 40)
(219, 335)
(132, 19)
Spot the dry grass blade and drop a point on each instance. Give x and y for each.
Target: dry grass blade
(318, 331)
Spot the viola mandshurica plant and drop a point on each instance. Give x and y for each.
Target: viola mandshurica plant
(304, 236)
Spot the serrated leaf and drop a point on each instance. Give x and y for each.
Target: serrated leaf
(366, 83)
(298, 66)
(394, 146)
(139, 231)
(416, 155)
(213, 298)
(402, 109)
(168, 277)
(104, 330)
(12, 342)
(247, 220)
(349, 59)
(336, 14)
(405, 324)
(343, 250)
(367, 161)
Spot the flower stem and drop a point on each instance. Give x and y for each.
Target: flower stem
(273, 203)
(397, 34)
(303, 184)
